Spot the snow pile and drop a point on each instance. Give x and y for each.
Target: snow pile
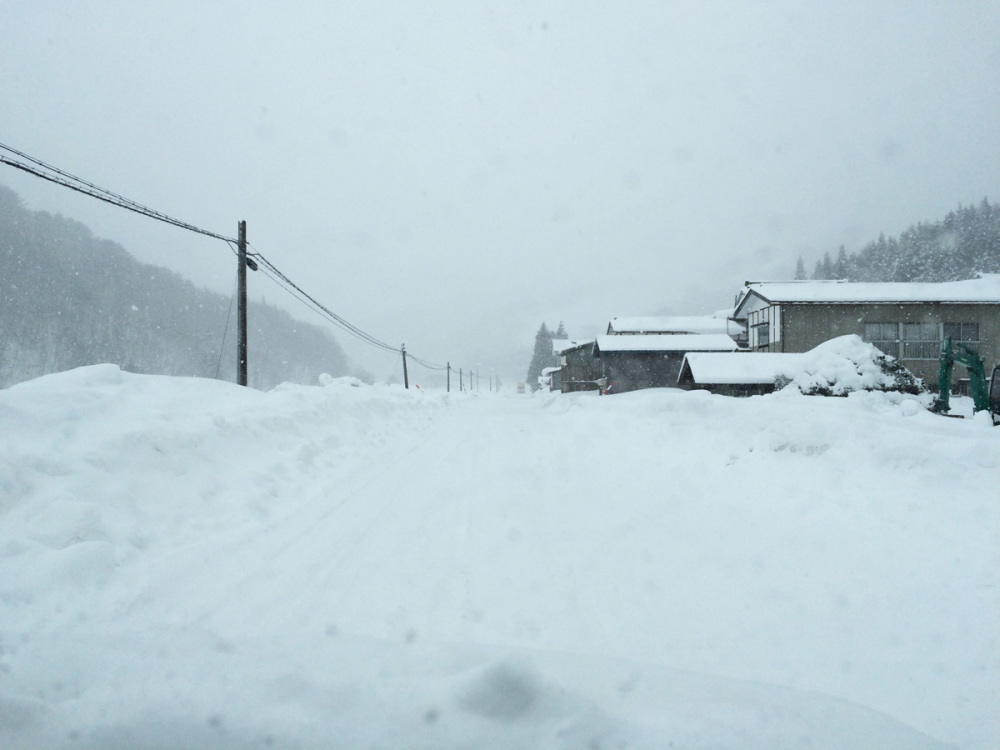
(846, 364)
(185, 563)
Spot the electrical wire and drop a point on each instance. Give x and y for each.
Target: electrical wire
(60, 177)
(296, 291)
(225, 332)
(428, 365)
(87, 188)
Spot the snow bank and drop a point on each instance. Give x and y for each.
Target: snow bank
(188, 563)
(846, 364)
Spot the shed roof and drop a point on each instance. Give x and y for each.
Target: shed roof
(985, 289)
(684, 342)
(668, 325)
(570, 345)
(711, 368)
(561, 345)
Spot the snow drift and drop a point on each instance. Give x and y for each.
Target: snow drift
(188, 563)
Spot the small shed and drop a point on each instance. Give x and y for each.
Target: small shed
(651, 361)
(579, 371)
(552, 378)
(736, 374)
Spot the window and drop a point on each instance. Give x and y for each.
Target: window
(885, 336)
(764, 328)
(763, 335)
(966, 333)
(921, 341)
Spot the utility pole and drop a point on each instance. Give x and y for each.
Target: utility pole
(461, 385)
(241, 306)
(406, 377)
(448, 388)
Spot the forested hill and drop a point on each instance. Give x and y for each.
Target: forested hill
(69, 299)
(964, 243)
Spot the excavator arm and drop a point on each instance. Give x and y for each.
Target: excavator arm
(970, 359)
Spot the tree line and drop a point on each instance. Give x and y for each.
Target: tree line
(69, 299)
(542, 356)
(964, 243)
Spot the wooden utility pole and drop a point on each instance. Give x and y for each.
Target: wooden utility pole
(241, 306)
(448, 388)
(461, 385)
(406, 377)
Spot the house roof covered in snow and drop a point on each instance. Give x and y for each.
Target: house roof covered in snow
(668, 325)
(713, 368)
(684, 342)
(561, 345)
(984, 290)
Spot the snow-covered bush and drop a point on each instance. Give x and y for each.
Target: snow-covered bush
(845, 364)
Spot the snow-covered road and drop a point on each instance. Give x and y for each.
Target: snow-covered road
(187, 563)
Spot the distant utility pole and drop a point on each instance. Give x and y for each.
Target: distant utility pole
(241, 306)
(406, 377)
(448, 387)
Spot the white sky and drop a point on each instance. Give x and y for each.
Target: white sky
(450, 174)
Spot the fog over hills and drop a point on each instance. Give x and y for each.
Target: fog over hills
(70, 299)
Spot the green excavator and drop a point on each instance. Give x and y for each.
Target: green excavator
(985, 397)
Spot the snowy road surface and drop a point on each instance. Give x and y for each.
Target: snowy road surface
(184, 563)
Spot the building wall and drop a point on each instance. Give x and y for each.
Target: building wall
(806, 326)
(741, 390)
(579, 370)
(632, 371)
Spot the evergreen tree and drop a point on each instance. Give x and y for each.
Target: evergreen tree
(542, 356)
(840, 266)
(824, 268)
(800, 270)
(560, 333)
(966, 242)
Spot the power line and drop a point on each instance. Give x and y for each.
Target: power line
(428, 365)
(272, 272)
(60, 177)
(275, 273)
(225, 331)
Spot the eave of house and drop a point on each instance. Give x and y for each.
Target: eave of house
(665, 343)
(982, 291)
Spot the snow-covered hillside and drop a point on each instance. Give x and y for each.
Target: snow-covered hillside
(185, 563)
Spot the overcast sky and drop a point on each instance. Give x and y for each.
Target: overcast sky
(448, 175)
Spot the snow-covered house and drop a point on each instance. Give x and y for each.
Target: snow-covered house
(906, 320)
(578, 370)
(736, 373)
(551, 378)
(835, 367)
(652, 360)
